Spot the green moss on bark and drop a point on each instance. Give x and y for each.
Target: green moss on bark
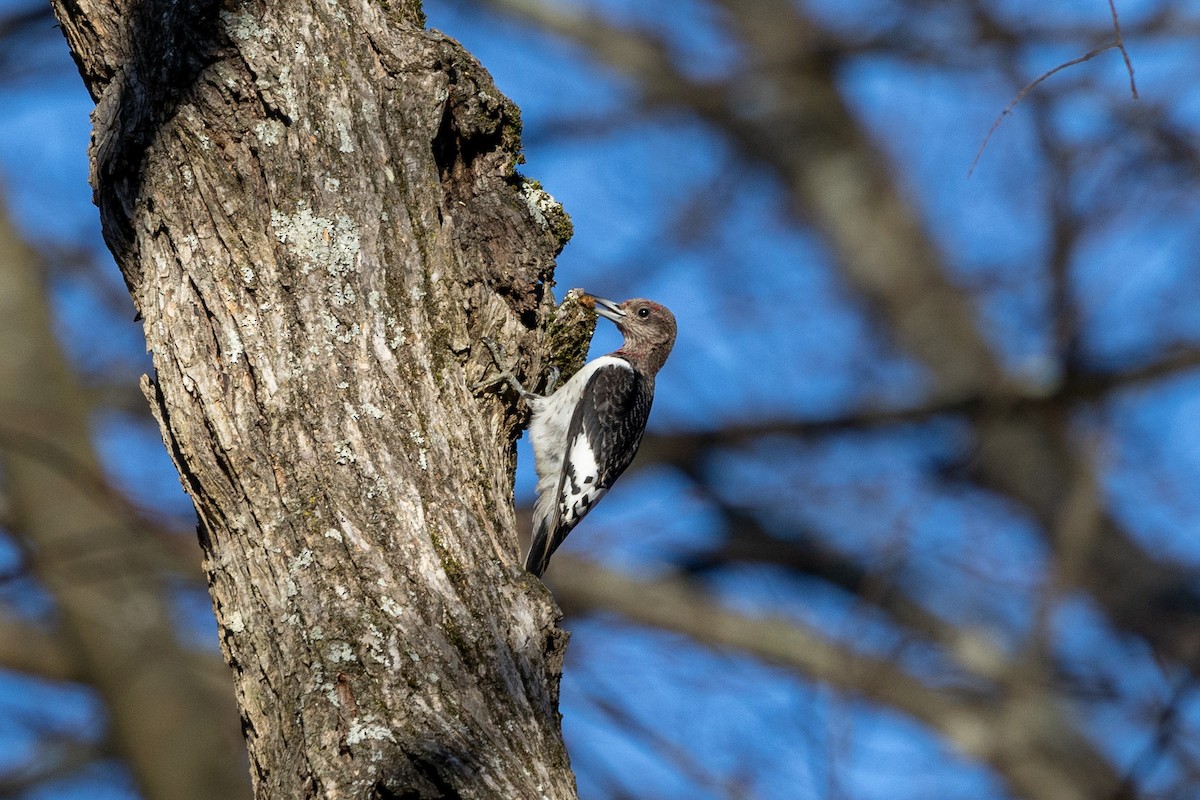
(569, 334)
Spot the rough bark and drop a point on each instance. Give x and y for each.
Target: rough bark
(316, 209)
(175, 729)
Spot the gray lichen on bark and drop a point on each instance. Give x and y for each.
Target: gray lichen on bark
(317, 210)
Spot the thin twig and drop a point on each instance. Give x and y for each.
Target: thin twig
(1120, 43)
(1088, 56)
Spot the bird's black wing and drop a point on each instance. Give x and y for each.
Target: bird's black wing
(602, 440)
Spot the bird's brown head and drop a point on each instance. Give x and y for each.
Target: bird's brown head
(648, 327)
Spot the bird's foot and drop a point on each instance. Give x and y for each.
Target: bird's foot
(504, 374)
(552, 379)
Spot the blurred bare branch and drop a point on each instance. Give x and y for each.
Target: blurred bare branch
(29, 649)
(57, 759)
(1026, 440)
(1007, 691)
(1118, 43)
(178, 735)
(1026, 737)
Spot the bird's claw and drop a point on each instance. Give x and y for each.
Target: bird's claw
(492, 378)
(504, 374)
(552, 379)
(495, 349)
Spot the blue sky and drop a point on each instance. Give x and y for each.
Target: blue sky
(768, 329)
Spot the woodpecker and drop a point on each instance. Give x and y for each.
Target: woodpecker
(586, 433)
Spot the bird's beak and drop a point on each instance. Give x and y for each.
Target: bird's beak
(608, 309)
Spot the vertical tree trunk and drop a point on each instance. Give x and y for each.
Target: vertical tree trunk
(316, 209)
(176, 732)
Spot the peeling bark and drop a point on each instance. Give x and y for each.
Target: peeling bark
(317, 212)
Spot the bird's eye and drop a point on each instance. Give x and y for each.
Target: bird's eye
(643, 312)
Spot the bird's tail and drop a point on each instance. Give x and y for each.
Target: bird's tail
(545, 523)
(540, 548)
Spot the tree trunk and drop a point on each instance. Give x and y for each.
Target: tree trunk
(316, 209)
(112, 622)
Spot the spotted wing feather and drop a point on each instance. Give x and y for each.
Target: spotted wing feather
(603, 437)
